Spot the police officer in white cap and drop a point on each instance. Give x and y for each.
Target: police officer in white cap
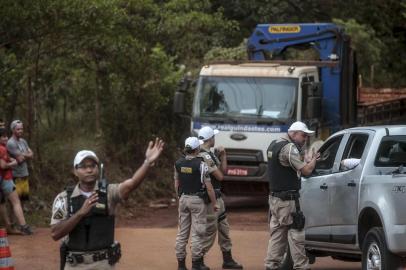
(191, 184)
(84, 214)
(286, 164)
(217, 221)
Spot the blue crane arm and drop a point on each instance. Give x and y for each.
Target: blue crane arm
(331, 43)
(326, 38)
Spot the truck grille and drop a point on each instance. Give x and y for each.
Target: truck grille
(236, 157)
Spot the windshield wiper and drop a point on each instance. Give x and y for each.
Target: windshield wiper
(229, 118)
(219, 117)
(270, 120)
(260, 110)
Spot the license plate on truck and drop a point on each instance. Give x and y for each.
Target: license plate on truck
(237, 171)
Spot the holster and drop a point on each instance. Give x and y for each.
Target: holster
(217, 192)
(204, 195)
(114, 253)
(286, 195)
(63, 251)
(299, 219)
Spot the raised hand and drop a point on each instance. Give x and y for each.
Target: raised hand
(154, 150)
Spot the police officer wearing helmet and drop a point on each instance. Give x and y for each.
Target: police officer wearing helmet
(191, 183)
(217, 221)
(286, 164)
(84, 214)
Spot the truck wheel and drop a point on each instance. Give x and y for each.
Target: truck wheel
(375, 253)
(287, 262)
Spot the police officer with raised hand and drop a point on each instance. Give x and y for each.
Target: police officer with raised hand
(286, 164)
(217, 221)
(196, 195)
(84, 214)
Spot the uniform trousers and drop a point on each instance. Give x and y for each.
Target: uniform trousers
(217, 221)
(281, 235)
(99, 265)
(192, 219)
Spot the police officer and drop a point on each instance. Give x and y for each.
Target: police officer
(286, 165)
(84, 214)
(191, 182)
(217, 221)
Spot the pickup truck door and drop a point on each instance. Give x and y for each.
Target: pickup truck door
(315, 193)
(344, 189)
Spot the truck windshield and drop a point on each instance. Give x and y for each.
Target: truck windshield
(246, 97)
(391, 152)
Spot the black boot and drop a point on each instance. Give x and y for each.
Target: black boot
(198, 264)
(228, 261)
(181, 264)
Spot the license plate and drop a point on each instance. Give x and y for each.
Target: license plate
(237, 171)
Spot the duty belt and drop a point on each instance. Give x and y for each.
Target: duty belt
(191, 193)
(86, 258)
(289, 195)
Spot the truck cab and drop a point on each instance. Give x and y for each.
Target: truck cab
(252, 104)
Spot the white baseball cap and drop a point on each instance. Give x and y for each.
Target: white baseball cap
(207, 132)
(300, 126)
(81, 155)
(193, 142)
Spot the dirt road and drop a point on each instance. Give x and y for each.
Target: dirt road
(148, 243)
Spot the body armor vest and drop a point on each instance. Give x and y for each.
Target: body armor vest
(216, 183)
(93, 232)
(190, 176)
(281, 178)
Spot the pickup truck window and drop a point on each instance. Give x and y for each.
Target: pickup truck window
(328, 154)
(391, 152)
(353, 151)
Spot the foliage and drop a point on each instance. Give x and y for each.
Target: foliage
(101, 74)
(368, 47)
(235, 53)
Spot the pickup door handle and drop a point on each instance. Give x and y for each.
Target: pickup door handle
(352, 184)
(324, 187)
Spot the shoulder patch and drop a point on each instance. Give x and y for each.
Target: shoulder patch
(59, 203)
(294, 150)
(58, 214)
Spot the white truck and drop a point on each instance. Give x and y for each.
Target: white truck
(254, 102)
(358, 213)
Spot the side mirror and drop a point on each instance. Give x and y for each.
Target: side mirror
(179, 102)
(313, 107)
(312, 89)
(179, 99)
(312, 99)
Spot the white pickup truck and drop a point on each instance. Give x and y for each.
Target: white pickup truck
(358, 213)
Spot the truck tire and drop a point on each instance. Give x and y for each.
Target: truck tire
(375, 253)
(287, 262)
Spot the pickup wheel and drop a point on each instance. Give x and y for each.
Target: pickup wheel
(375, 253)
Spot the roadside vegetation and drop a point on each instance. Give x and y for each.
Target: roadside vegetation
(101, 74)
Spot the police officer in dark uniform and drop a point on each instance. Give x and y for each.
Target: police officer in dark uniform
(84, 215)
(286, 164)
(217, 221)
(196, 194)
